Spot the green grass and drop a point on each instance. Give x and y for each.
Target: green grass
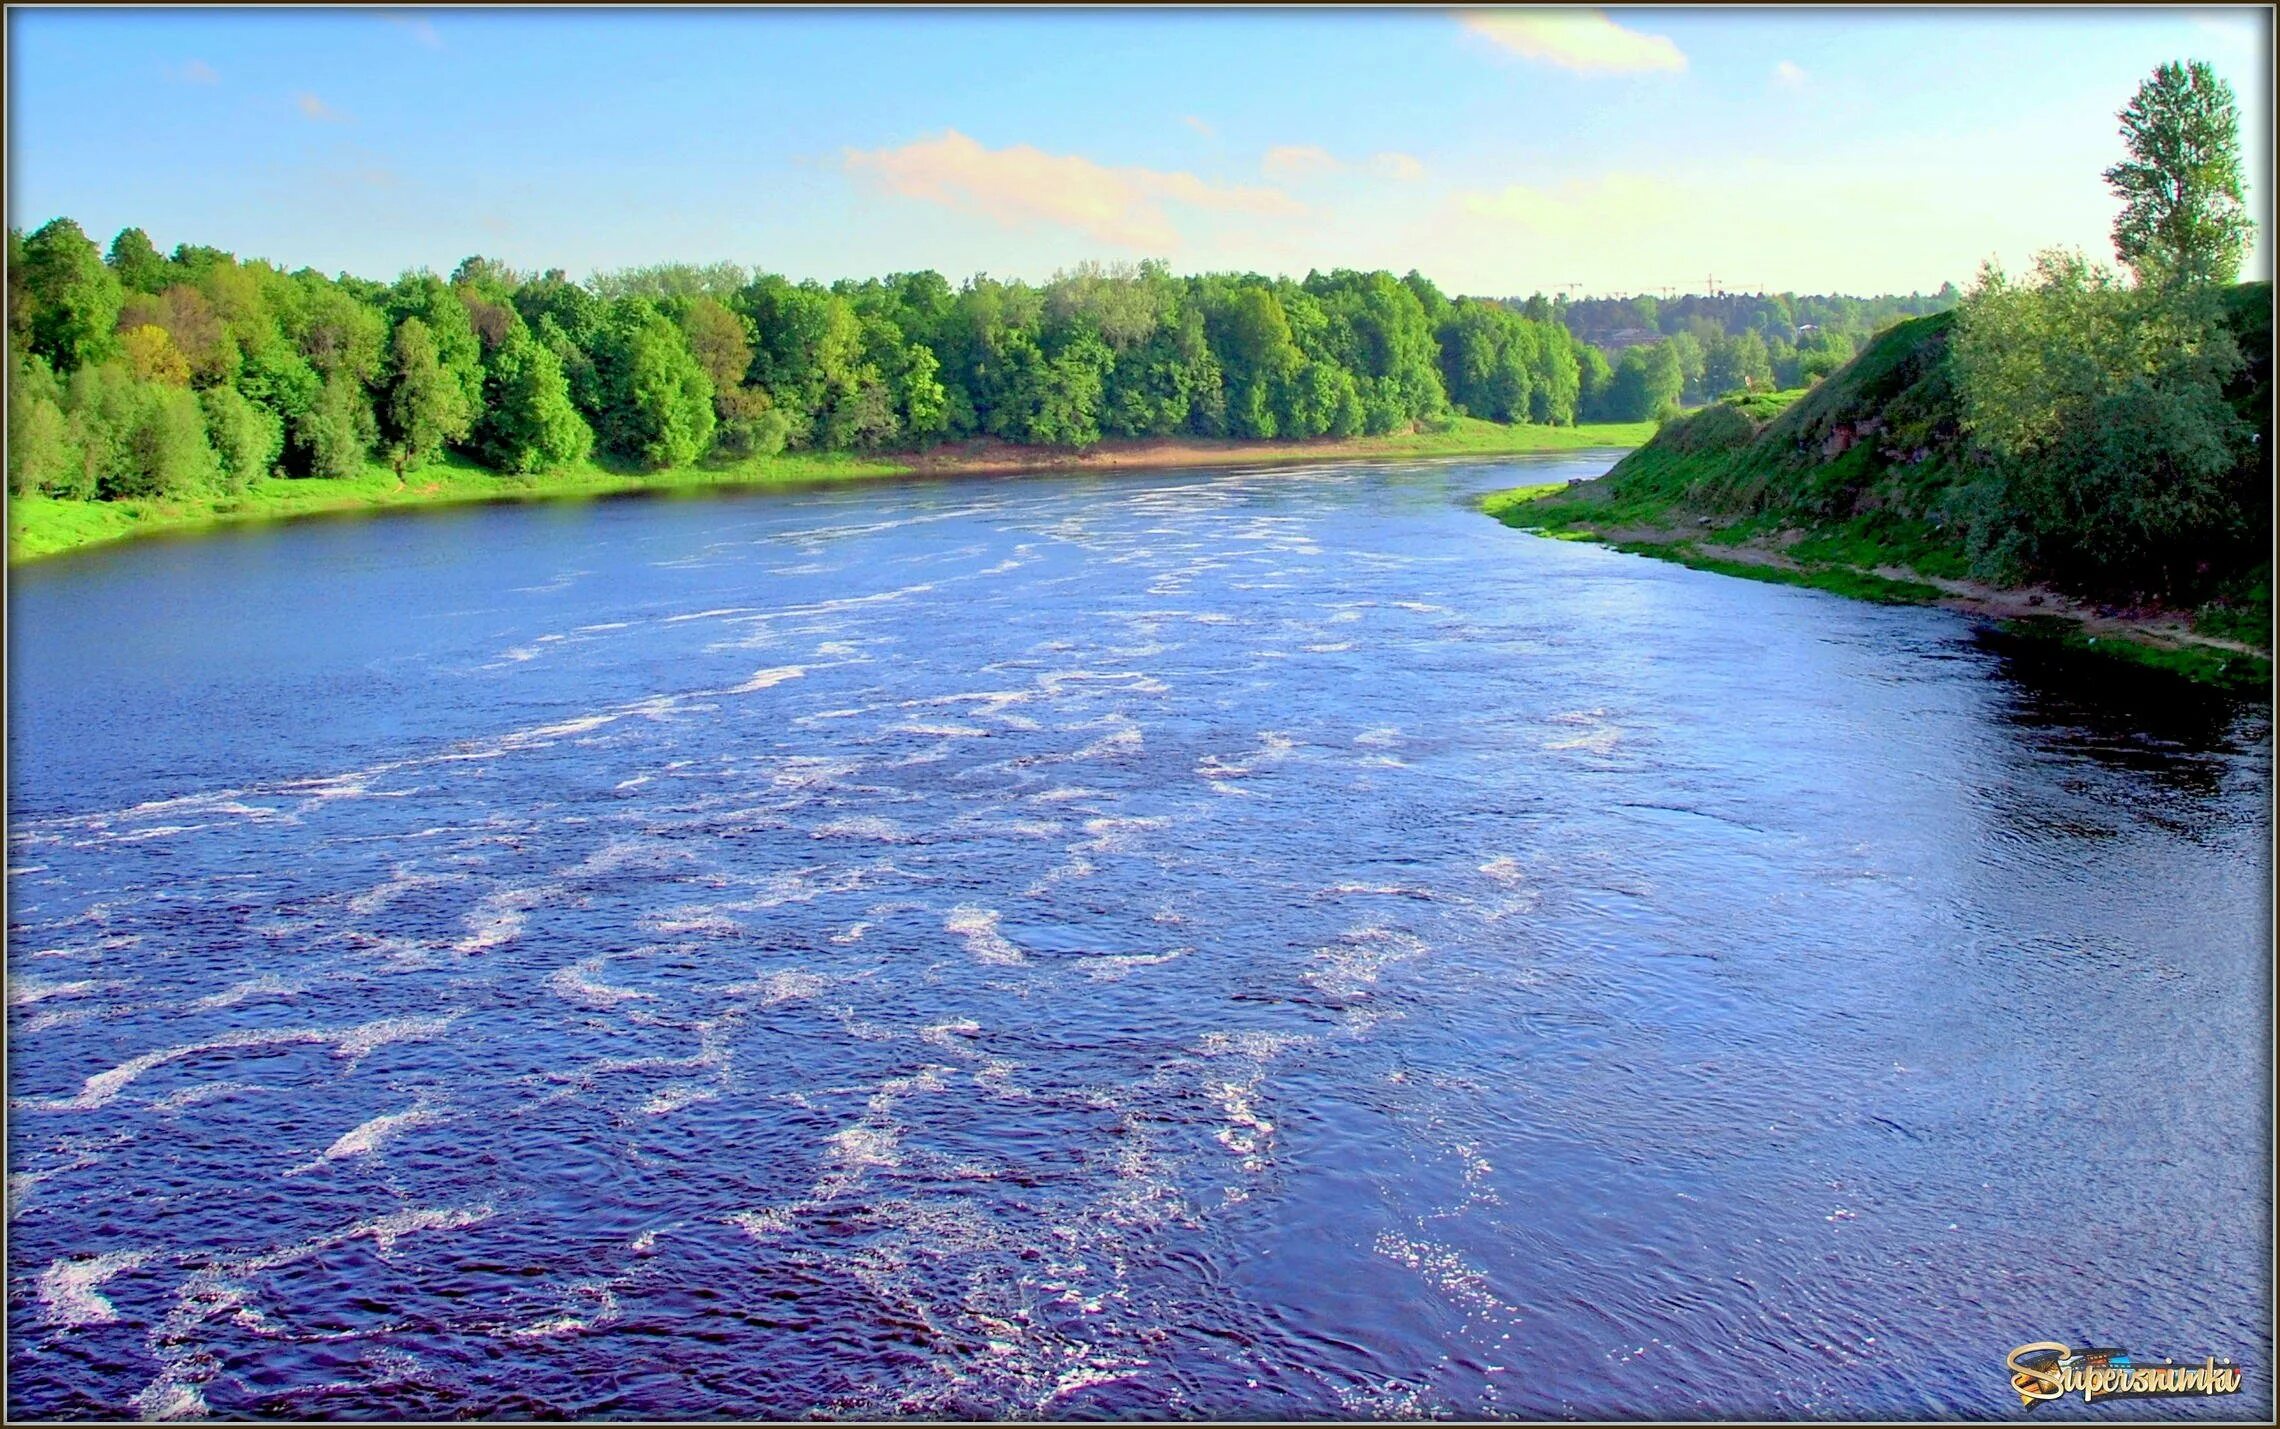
(1837, 580)
(2246, 674)
(41, 526)
(2243, 613)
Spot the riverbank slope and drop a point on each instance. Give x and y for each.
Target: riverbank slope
(41, 526)
(1853, 487)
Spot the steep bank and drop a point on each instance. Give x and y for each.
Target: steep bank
(1865, 485)
(44, 526)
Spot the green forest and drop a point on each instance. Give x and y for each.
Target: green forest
(139, 374)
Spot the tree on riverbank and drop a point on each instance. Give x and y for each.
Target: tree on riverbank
(298, 374)
(2099, 408)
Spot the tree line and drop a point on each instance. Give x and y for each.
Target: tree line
(138, 373)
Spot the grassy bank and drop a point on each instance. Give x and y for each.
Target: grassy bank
(43, 526)
(1892, 562)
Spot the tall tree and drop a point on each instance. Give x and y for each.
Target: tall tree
(137, 262)
(74, 300)
(2181, 219)
(425, 407)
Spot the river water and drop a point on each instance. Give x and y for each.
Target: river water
(1211, 944)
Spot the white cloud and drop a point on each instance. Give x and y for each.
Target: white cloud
(1023, 185)
(1402, 167)
(198, 72)
(1789, 75)
(1584, 41)
(1294, 162)
(314, 108)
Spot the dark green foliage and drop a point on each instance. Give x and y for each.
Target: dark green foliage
(246, 438)
(529, 422)
(335, 434)
(72, 299)
(656, 402)
(138, 265)
(2155, 479)
(2182, 221)
(425, 408)
(304, 374)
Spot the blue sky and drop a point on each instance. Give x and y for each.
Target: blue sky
(1499, 152)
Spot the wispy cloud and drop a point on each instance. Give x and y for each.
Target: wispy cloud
(1024, 185)
(1199, 126)
(197, 72)
(1398, 166)
(312, 107)
(421, 31)
(1298, 162)
(1584, 41)
(1789, 75)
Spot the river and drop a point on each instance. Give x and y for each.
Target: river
(1204, 944)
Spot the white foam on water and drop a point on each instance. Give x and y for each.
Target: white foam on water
(1505, 869)
(941, 731)
(941, 1033)
(1386, 734)
(781, 987)
(267, 985)
(673, 1097)
(862, 826)
(103, 1088)
(499, 918)
(1133, 681)
(764, 679)
(357, 1043)
(1444, 1269)
(1117, 967)
(70, 1290)
(1246, 1132)
(192, 1096)
(386, 1230)
(23, 991)
(708, 614)
(979, 927)
(168, 1398)
(1065, 793)
(581, 983)
(1332, 648)
(604, 1312)
(860, 1146)
(853, 934)
(1353, 964)
(764, 1225)
(1124, 741)
(605, 625)
(634, 783)
(365, 1139)
(1602, 741)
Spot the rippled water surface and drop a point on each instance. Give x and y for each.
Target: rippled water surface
(1211, 944)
